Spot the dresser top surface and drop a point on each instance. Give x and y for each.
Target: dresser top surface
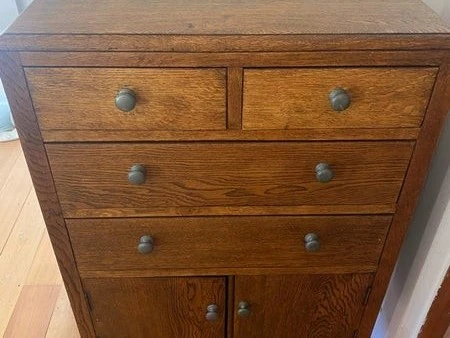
(228, 17)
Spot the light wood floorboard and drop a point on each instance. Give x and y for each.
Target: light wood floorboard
(33, 301)
(33, 311)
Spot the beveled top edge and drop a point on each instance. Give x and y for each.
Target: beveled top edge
(228, 17)
(222, 43)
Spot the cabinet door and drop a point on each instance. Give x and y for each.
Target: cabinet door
(157, 307)
(295, 306)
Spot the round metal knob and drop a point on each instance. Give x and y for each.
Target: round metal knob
(212, 312)
(126, 100)
(339, 99)
(137, 174)
(243, 310)
(324, 173)
(145, 245)
(312, 243)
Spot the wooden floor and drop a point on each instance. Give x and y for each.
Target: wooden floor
(33, 301)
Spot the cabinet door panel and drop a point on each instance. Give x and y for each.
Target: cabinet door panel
(156, 307)
(295, 306)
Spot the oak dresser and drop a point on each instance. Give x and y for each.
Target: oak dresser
(227, 168)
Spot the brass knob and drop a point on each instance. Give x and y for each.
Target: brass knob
(126, 100)
(145, 245)
(339, 99)
(137, 174)
(243, 310)
(212, 313)
(324, 173)
(312, 243)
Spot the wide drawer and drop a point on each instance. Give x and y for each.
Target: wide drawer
(92, 178)
(165, 99)
(300, 98)
(227, 242)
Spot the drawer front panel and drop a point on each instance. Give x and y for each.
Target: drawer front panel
(299, 98)
(96, 176)
(227, 242)
(165, 99)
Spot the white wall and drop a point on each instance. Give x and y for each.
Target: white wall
(446, 12)
(22, 4)
(436, 5)
(425, 255)
(8, 12)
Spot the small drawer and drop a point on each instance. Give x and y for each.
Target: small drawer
(128, 99)
(336, 97)
(128, 179)
(227, 242)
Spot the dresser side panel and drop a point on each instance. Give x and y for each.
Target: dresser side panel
(16, 89)
(415, 178)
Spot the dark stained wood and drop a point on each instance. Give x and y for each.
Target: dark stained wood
(220, 172)
(414, 181)
(234, 94)
(166, 99)
(292, 306)
(156, 307)
(226, 174)
(228, 17)
(438, 318)
(236, 60)
(231, 135)
(222, 242)
(16, 89)
(226, 271)
(230, 307)
(298, 98)
(329, 209)
(224, 43)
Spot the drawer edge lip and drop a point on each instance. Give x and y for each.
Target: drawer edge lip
(343, 134)
(289, 59)
(170, 272)
(383, 209)
(223, 42)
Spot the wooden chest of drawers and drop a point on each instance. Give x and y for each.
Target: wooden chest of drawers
(227, 168)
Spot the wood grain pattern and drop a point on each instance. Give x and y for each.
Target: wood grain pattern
(44, 270)
(223, 43)
(232, 59)
(234, 174)
(17, 257)
(33, 311)
(414, 181)
(227, 271)
(62, 323)
(15, 190)
(333, 209)
(215, 173)
(300, 305)
(232, 135)
(166, 99)
(298, 98)
(230, 307)
(20, 102)
(228, 17)
(9, 154)
(156, 307)
(227, 242)
(234, 103)
(19, 268)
